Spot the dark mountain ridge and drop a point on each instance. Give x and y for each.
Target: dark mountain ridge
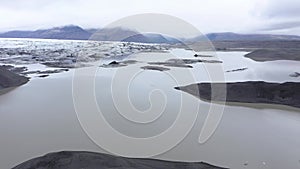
(65, 32)
(73, 32)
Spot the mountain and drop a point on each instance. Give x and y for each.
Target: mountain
(151, 38)
(113, 34)
(78, 33)
(65, 32)
(91, 30)
(123, 34)
(229, 36)
(128, 35)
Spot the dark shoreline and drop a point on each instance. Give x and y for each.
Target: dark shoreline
(263, 55)
(92, 160)
(253, 92)
(10, 80)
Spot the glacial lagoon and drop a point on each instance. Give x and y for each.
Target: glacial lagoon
(39, 117)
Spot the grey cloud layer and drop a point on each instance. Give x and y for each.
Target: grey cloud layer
(207, 16)
(281, 8)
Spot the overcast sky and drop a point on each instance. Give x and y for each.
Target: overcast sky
(242, 16)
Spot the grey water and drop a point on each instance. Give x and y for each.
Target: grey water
(39, 117)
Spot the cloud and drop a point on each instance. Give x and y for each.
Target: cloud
(281, 26)
(24, 5)
(277, 16)
(246, 16)
(280, 8)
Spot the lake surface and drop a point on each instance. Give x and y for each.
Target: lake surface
(39, 117)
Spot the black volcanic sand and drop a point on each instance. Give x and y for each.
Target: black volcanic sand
(191, 61)
(274, 54)
(24, 70)
(45, 72)
(13, 69)
(90, 160)
(156, 68)
(183, 63)
(176, 65)
(43, 76)
(116, 64)
(296, 74)
(237, 70)
(198, 55)
(259, 92)
(168, 64)
(9, 79)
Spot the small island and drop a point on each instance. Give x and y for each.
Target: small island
(256, 92)
(91, 160)
(262, 55)
(9, 79)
